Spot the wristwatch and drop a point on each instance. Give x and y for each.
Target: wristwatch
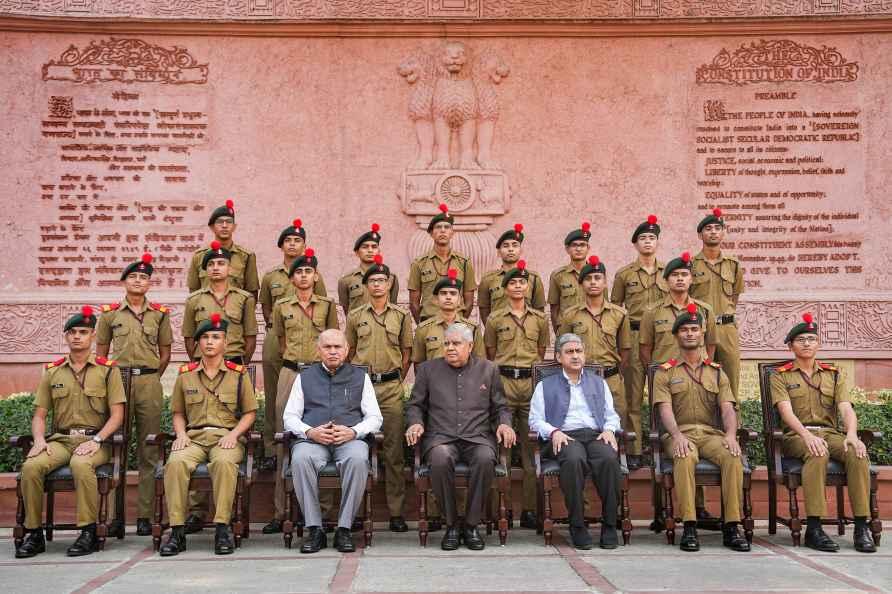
(97, 439)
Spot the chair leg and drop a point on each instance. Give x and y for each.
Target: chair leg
(102, 520)
(748, 523)
(158, 514)
(422, 515)
(876, 526)
(50, 509)
(795, 522)
(547, 522)
(368, 525)
(246, 514)
(772, 506)
(237, 513)
(288, 523)
(503, 518)
(840, 511)
(668, 513)
(540, 487)
(625, 512)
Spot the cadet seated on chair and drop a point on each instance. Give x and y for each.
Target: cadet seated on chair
(86, 396)
(808, 395)
(213, 406)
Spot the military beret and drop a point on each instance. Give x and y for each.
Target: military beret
(83, 319)
(593, 265)
(307, 259)
(379, 267)
(515, 234)
(296, 228)
(451, 281)
(683, 261)
(216, 251)
(374, 234)
(519, 271)
(143, 265)
(227, 210)
(215, 322)
(648, 226)
(443, 215)
(690, 316)
(584, 233)
(806, 326)
(715, 217)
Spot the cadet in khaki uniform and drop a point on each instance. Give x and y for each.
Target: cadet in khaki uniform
(298, 321)
(516, 337)
(604, 329)
(638, 287)
(380, 336)
(428, 341)
(687, 395)
(351, 288)
(491, 293)
(563, 286)
(809, 395)
(243, 269)
(427, 270)
(718, 281)
(139, 335)
(86, 397)
(213, 405)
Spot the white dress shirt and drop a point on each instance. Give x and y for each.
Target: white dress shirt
(579, 415)
(371, 413)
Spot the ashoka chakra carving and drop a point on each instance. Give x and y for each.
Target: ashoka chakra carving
(455, 191)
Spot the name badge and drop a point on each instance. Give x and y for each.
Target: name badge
(289, 316)
(276, 286)
(658, 322)
(190, 391)
(678, 380)
(58, 385)
(699, 273)
(504, 329)
(362, 324)
(793, 386)
(432, 338)
(632, 284)
(355, 287)
(566, 285)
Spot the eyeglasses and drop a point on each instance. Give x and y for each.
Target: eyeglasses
(803, 340)
(377, 281)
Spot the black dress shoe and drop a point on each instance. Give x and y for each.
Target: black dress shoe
(707, 521)
(734, 540)
(86, 543)
(528, 520)
(116, 529)
(434, 525)
(818, 540)
(314, 541)
(398, 524)
(194, 523)
(33, 544)
(343, 541)
(223, 540)
(143, 527)
(176, 542)
(689, 541)
(473, 540)
(450, 539)
(274, 527)
(864, 540)
(609, 539)
(580, 538)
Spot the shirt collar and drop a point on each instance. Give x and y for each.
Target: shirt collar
(569, 381)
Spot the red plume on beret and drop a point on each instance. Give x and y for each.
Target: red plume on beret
(86, 311)
(230, 204)
(147, 258)
(375, 227)
(521, 264)
(686, 257)
(297, 223)
(215, 245)
(692, 308)
(593, 260)
(518, 228)
(443, 208)
(452, 274)
(309, 253)
(717, 212)
(586, 226)
(215, 319)
(807, 318)
(651, 219)
(379, 259)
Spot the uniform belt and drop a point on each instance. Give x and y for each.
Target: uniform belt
(387, 376)
(141, 370)
(725, 319)
(237, 360)
(207, 427)
(610, 371)
(816, 427)
(295, 365)
(515, 372)
(636, 326)
(84, 432)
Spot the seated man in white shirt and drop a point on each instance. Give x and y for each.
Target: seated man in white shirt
(331, 409)
(573, 412)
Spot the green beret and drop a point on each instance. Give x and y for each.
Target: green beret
(683, 261)
(690, 316)
(594, 264)
(143, 265)
(83, 319)
(443, 215)
(215, 322)
(296, 228)
(519, 271)
(216, 251)
(307, 259)
(715, 217)
(374, 234)
(515, 234)
(226, 210)
(451, 281)
(648, 226)
(806, 326)
(379, 267)
(584, 233)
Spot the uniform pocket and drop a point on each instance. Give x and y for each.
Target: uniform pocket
(363, 331)
(151, 334)
(119, 337)
(98, 401)
(568, 290)
(234, 312)
(194, 404)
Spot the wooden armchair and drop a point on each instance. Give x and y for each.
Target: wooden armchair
(548, 470)
(706, 474)
(787, 471)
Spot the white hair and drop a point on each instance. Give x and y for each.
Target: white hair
(463, 330)
(567, 338)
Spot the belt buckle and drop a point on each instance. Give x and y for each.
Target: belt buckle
(376, 377)
(74, 432)
(135, 371)
(516, 373)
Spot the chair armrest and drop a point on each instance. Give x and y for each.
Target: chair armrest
(254, 441)
(656, 446)
(160, 440)
(285, 437)
(533, 438)
(777, 439)
(374, 444)
(623, 439)
(868, 436)
(628, 437)
(746, 435)
(22, 441)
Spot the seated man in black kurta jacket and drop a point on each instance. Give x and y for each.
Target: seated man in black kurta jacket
(456, 402)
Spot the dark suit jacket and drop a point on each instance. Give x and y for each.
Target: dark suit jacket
(464, 403)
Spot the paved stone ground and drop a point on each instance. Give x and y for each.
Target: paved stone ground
(397, 564)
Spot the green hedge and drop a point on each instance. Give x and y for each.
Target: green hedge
(15, 419)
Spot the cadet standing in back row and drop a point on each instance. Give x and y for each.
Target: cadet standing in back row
(243, 269)
(491, 293)
(563, 285)
(351, 288)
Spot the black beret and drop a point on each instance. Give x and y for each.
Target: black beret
(296, 228)
(85, 318)
(215, 322)
(379, 267)
(594, 264)
(451, 281)
(690, 316)
(515, 234)
(227, 210)
(584, 233)
(715, 217)
(806, 326)
(143, 265)
(519, 271)
(648, 226)
(307, 259)
(374, 234)
(216, 251)
(683, 261)
(443, 215)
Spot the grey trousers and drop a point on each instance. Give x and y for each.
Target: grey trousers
(308, 459)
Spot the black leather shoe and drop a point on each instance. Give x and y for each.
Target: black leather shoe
(818, 540)
(689, 541)
(608, 539)
(658, 525)
(314, 541)
(116, 529)
(223, 541)
(473, 540)
(194, 523)
(176, 542)
(274, 527)
(450, 539)
(734, 540)
(580, 538)
(434, 525)
(707, 521)
(398, 524)
(86, 543)
(528, 520)
(33, 544)
(143, 527)
(343, 541)
(864, 540)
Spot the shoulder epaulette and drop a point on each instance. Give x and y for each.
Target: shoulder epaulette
(712, 363)
(619, 308)
(55, 363)
(106, 362)
(399, 308)
(786, 366)
(732, 258)
(197, 292)
(235, 367)
(428, 322)
(669, 364)
(110, 307)
(201, 250)
(158, 307)
(536, 312)
(573, 309)
(828, 366)
(188, 367)
(242, 292)
(284, 299)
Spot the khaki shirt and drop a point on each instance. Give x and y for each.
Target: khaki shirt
(301, 327)
(134, 335)
(428, 341)
(695, 393)
(379, 340)
(428, 269)
(76, 406)
(517, 340)
(637, 290)
(564, 289)
(491, 295)
(237, 307)
(352, 293)
(603, 333)
(717, 284)
(814, 399)
(217, 402)
(656, 328)
(242, 270)
(277, 285)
